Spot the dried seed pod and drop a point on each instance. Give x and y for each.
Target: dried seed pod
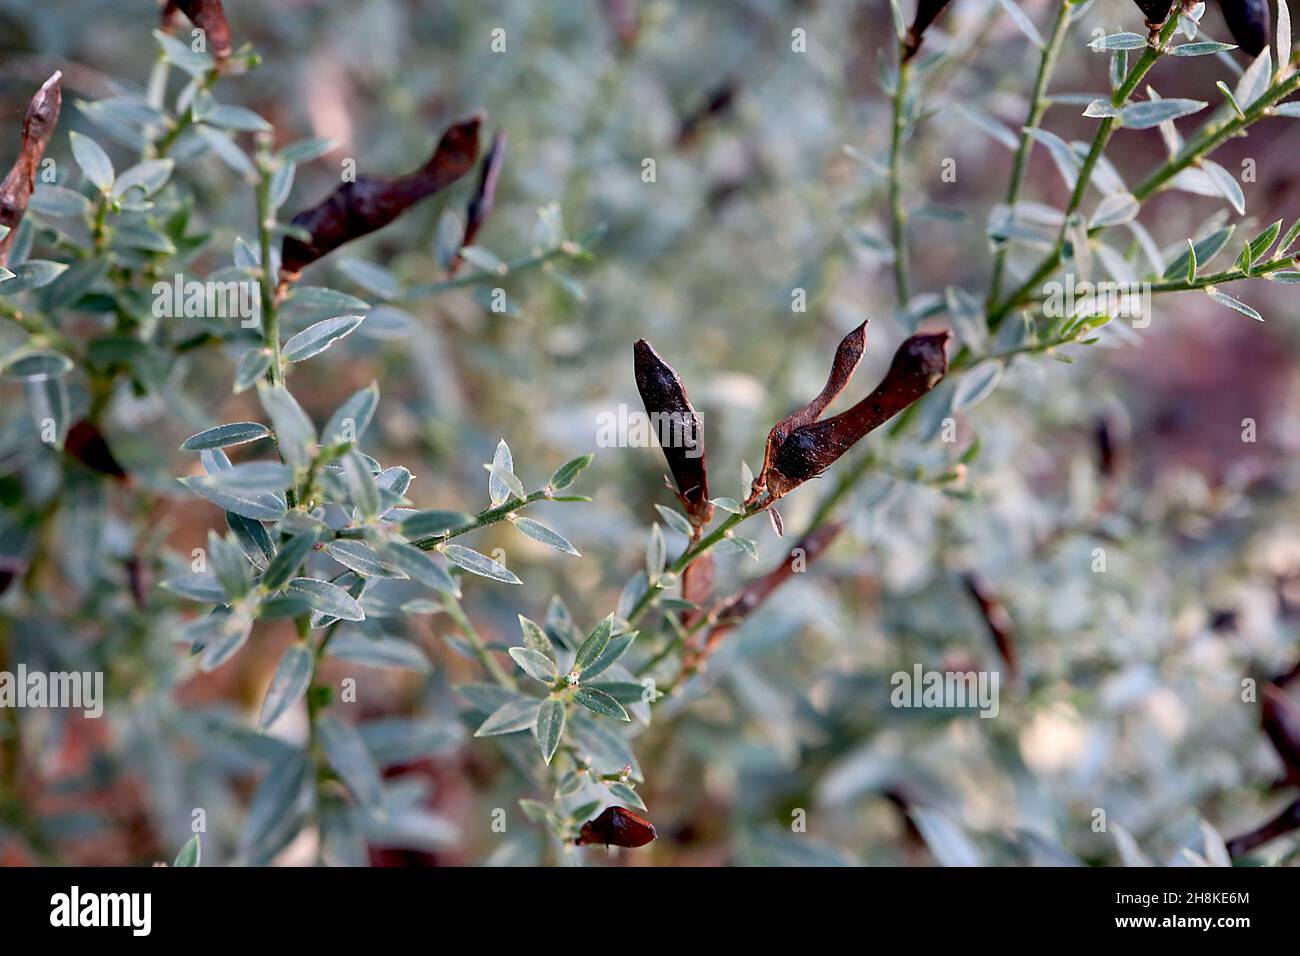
(732, 611)
(38, 125)
(717, 102)
(665, 400)
(617, 826)
(484, 195)
(208, 16)
(997, 619)
(848, 355)
(1281, 720)
(359, 208)
(918, 366)
(1248, 22)
(86, 443)
(1285, 822)
(927, 11)
(1155, 11)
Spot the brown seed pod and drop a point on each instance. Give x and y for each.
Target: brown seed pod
(617, 826)
(208, 16)
(1281, 721)
(848, 355)
(718, 102)
(1248, 22)
(359, 208)
(1285, 822)
(665, 400)
(480, 206)
(732, 611)
(86, 443)
(997, 620)
(927, 11)
(38, 125)
(918, 366)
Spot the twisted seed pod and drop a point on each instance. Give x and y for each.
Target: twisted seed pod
(848, 354)
(358, 208)
(919, 365)
(1156, 11)
(617, 826)
(1285, 822)
(1281, 721)
(927, 11)
(485, 195)
(208, 16)
(86, 443)
(664, 395)
(38, 125)
(996, 619)
(1248, 22)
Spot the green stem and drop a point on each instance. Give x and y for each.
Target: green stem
(652, 592)
(569, 249)
(480, 520)
(898, 221)
(1037, 107)
(484, 656)
(268, 279)
(1099, 142)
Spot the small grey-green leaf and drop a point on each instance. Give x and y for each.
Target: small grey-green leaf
(190, 853)
(550, 727)
(347, 754)
(94, 162)
(598, 702)
(289, 682)
(535, 664)
(318, 337)
(480, 564)
(328, 599)
(223, 436)
(539, 532)
(594, 645)
(512, 716)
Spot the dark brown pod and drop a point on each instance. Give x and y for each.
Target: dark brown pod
(918, 366)
(732, 611)
(208, 16)
(927, 11)
(359, 208)
(480, 206)
(1281, 721)
(664, 398)
(717, 102)
(86, 443)
(996, 619)
(617, 826)
(1285, 822)
(1155, 11)
(38, 125)
(1248, 22)
(848, 355)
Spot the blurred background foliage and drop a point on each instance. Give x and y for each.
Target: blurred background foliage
(1130, 698)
